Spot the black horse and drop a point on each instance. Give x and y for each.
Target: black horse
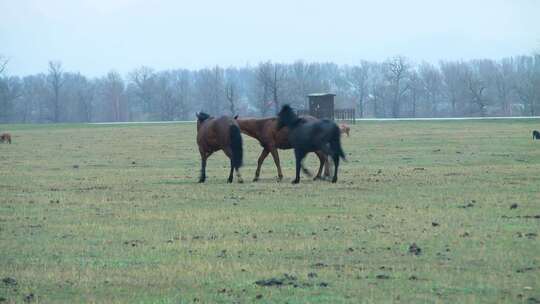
(310, 136)
(536, 134)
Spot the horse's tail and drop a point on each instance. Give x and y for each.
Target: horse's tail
(335, 143)
(236, 146)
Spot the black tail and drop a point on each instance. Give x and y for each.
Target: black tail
(236, 146)
(335, 143)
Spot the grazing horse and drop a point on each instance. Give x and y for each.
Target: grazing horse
(271, 139)
(344, 128)
(214, 134)
(5, 137)
(536, 135)
(310, 136)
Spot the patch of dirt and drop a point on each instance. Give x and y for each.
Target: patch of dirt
(521, 216)
(414, 249)
(29, 298)
(133, 243)
(9, 281)
(526, 269)
(533, 300)
(320, 264)
(287, 280)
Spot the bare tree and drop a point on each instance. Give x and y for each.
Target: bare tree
(56, 81)
(527, 84)
(416, 89)
(358, 76)
(114, 90)
(85, 93)
(231, 97)
(397, 73)
(144, 80)
(432, 84)
(475, 87)
(452, 73)
(3, 64)
(270, 77)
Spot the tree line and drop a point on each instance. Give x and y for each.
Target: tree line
(395, 88)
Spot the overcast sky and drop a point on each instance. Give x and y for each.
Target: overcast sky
(96, 36)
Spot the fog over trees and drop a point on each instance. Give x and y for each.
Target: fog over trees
(396, 87)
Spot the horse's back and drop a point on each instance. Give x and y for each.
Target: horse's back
(215, 134)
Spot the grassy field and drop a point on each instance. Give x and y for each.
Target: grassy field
(421, 214)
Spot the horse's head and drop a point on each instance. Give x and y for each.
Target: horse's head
(286, 117)
(201, 117)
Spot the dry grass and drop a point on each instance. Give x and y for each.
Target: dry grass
(114, 214)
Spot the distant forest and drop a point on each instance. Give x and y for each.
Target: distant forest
(394, 88)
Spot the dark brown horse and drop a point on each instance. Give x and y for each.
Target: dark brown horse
(265, 130)
(214, 134)
(5, 137)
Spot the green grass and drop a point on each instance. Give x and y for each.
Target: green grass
(131, 225)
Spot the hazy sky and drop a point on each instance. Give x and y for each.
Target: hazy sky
(95, 36)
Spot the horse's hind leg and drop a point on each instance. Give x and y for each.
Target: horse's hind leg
(263, 156)
(239, 176)
(275, 156)
(230, 179)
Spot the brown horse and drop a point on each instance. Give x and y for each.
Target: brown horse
(214, 134)
(266, 132)
(5, 137)
(344, 128)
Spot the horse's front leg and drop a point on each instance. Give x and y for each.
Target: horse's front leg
(263, 156)
(336, 165)
(322, 162)
(204, 157)
(275, 156)
(299, 155)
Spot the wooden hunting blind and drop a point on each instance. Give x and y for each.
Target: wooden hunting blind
(321, 105)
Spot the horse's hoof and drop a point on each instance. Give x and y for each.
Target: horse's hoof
(317, 178)
(280, 178)
(240, 181)
(256, 179)
(295, 182)
(229, 180)
(201, 181)
(334, 180)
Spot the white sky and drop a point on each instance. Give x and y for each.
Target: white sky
(96, 36)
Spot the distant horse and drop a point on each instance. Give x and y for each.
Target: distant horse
(310, 136)
(5, 137)
(536, 134)
(214, 134)
(344, 128)
(271, 139)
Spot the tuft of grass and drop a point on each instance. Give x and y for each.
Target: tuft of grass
(97, 213)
